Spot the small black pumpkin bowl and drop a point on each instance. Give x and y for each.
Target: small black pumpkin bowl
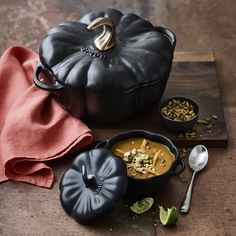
(179, 126)
(140, 188)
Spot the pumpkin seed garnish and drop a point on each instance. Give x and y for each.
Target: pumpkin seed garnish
(206, 123)
(214, 117)
(183, 152)
(209, 126)
(202, 121)
(178, 110)
(137, 161)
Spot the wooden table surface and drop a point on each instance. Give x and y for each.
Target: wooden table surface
(201, 25)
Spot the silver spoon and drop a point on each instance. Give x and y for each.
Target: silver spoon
(197, 160)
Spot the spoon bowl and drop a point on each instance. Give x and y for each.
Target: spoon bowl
(198, 159)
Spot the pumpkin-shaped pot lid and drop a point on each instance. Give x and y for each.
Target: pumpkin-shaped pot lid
(108, 51)
(93, 184)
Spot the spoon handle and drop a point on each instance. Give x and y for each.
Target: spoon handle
(185, 206)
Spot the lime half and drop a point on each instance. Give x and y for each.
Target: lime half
(169, 217)
(142, 206)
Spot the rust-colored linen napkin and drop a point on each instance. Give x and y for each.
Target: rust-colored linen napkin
(33, 127)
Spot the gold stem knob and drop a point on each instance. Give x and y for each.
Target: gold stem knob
(106, 39)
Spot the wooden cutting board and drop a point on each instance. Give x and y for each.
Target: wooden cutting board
(193, 75)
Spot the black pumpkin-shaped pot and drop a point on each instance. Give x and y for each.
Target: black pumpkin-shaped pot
(93, 184)
(140, 188)
(106, 67)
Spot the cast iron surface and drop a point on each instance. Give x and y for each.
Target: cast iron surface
(141, 58)
(140, 188)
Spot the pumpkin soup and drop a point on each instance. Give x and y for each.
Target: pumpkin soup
(144, 158)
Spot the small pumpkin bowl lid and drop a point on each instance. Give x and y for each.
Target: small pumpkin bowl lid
(92, 186)
(179, 114)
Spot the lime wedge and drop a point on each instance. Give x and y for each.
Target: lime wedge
(142, 206)
(169, 217)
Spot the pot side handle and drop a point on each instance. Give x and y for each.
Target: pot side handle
(176, 170)
(52, 84)
(168, 33)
